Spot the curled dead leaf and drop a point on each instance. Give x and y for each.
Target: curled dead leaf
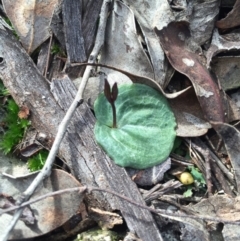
(232, 19)
(51, 212)
(175, 40)
(30, 20)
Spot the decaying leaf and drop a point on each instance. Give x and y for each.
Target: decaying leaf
(174, 39)
(192, 229)
(31, 20)
(227, 70)
(189, 116)
(141, 80)
(224, 207)
(122, 48)
(49, 213)
(201, 26)
(232, 19)
(150, 176)
(231, 138)
(151, 13)
(221, 43)
(7, 202)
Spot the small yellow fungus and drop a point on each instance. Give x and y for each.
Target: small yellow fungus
(186, 178)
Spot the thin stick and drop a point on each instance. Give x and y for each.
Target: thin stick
(160, 212)
(46, 171)
(48, 56)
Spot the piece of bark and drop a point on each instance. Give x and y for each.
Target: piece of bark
(72, 22)
(91, 11)
(87, 161)
(57, 25)
(90, 23)
(43, 57)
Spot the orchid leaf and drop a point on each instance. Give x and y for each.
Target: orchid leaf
(145, 130)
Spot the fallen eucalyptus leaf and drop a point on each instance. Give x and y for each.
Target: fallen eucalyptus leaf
(227, 70)
(224, 207)
(148, 14)
(189, 115)
(50, 213)
(201, 26)
(221, 44)
(232, 19)
(145, 127)
(140, 80)
(174, 39)
(122, 47)
(31, 20)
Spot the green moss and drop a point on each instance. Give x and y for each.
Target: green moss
(56, 49)
(3, 90)
(37, 161)
(98, 235)
(10, 24)
(15, 126)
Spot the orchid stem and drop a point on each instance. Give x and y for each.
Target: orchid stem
(114, 115)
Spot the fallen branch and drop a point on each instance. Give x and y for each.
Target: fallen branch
(46, 170)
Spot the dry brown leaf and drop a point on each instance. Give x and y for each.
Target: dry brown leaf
(148, 14)
(49, 213)
(232, 19)
(220, 44)
(31, 20)
(222, 206)
(227, 70)
(189, 115)
(140, 80)
(122, 47)
(174, 40)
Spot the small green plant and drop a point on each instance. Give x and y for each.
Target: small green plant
(199, 182)
(3, 90)
(16, 127)
(135, 125)
(56, 49)
(37, 161)
(10, 24)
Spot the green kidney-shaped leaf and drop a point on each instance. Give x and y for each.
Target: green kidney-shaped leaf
(145, 127)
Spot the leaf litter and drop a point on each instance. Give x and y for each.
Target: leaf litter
(187, 46)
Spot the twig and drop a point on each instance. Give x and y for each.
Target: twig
(160, 212)
(46, 171)
(208, 173)
(217, 167)
(51, 194)
(48, 56)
